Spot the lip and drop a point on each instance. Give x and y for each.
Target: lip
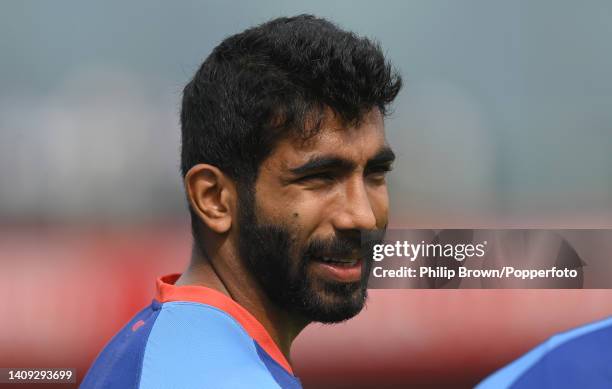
(338, 272)
(349, 255)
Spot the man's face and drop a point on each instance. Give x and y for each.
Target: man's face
(301, 232)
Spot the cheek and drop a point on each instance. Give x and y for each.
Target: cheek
(299, 211)
(306, 214)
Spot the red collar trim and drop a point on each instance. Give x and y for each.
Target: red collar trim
(167, 291)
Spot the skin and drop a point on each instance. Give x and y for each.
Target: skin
(334, 199)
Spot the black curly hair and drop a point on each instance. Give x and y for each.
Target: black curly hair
(271, 81)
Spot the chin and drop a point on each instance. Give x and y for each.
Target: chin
(336, 302)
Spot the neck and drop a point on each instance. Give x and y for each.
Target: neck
(240, 286)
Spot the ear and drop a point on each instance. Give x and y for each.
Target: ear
(212, 196)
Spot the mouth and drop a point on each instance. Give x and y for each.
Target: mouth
(343, 268)
(345, 262)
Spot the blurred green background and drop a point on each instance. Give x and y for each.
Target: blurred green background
(505, 114)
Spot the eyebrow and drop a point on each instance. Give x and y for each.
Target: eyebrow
(323, 162)
(385, 156)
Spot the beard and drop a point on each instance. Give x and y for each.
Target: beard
(281, 266)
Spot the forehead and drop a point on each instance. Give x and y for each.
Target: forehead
(357, 143)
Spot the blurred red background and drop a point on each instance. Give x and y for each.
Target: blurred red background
(67, 290)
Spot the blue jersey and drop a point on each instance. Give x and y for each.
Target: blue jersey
(191, 337)
(580, 358)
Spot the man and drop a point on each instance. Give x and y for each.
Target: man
(284, 160)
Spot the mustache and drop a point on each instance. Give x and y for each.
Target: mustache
(344, 245)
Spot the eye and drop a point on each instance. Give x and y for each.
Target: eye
(378, 173)
(322, 176)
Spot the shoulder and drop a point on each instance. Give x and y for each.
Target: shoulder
(197, 345)
(182, 345)
(576, 358)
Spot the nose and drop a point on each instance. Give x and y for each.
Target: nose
(355, 210)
